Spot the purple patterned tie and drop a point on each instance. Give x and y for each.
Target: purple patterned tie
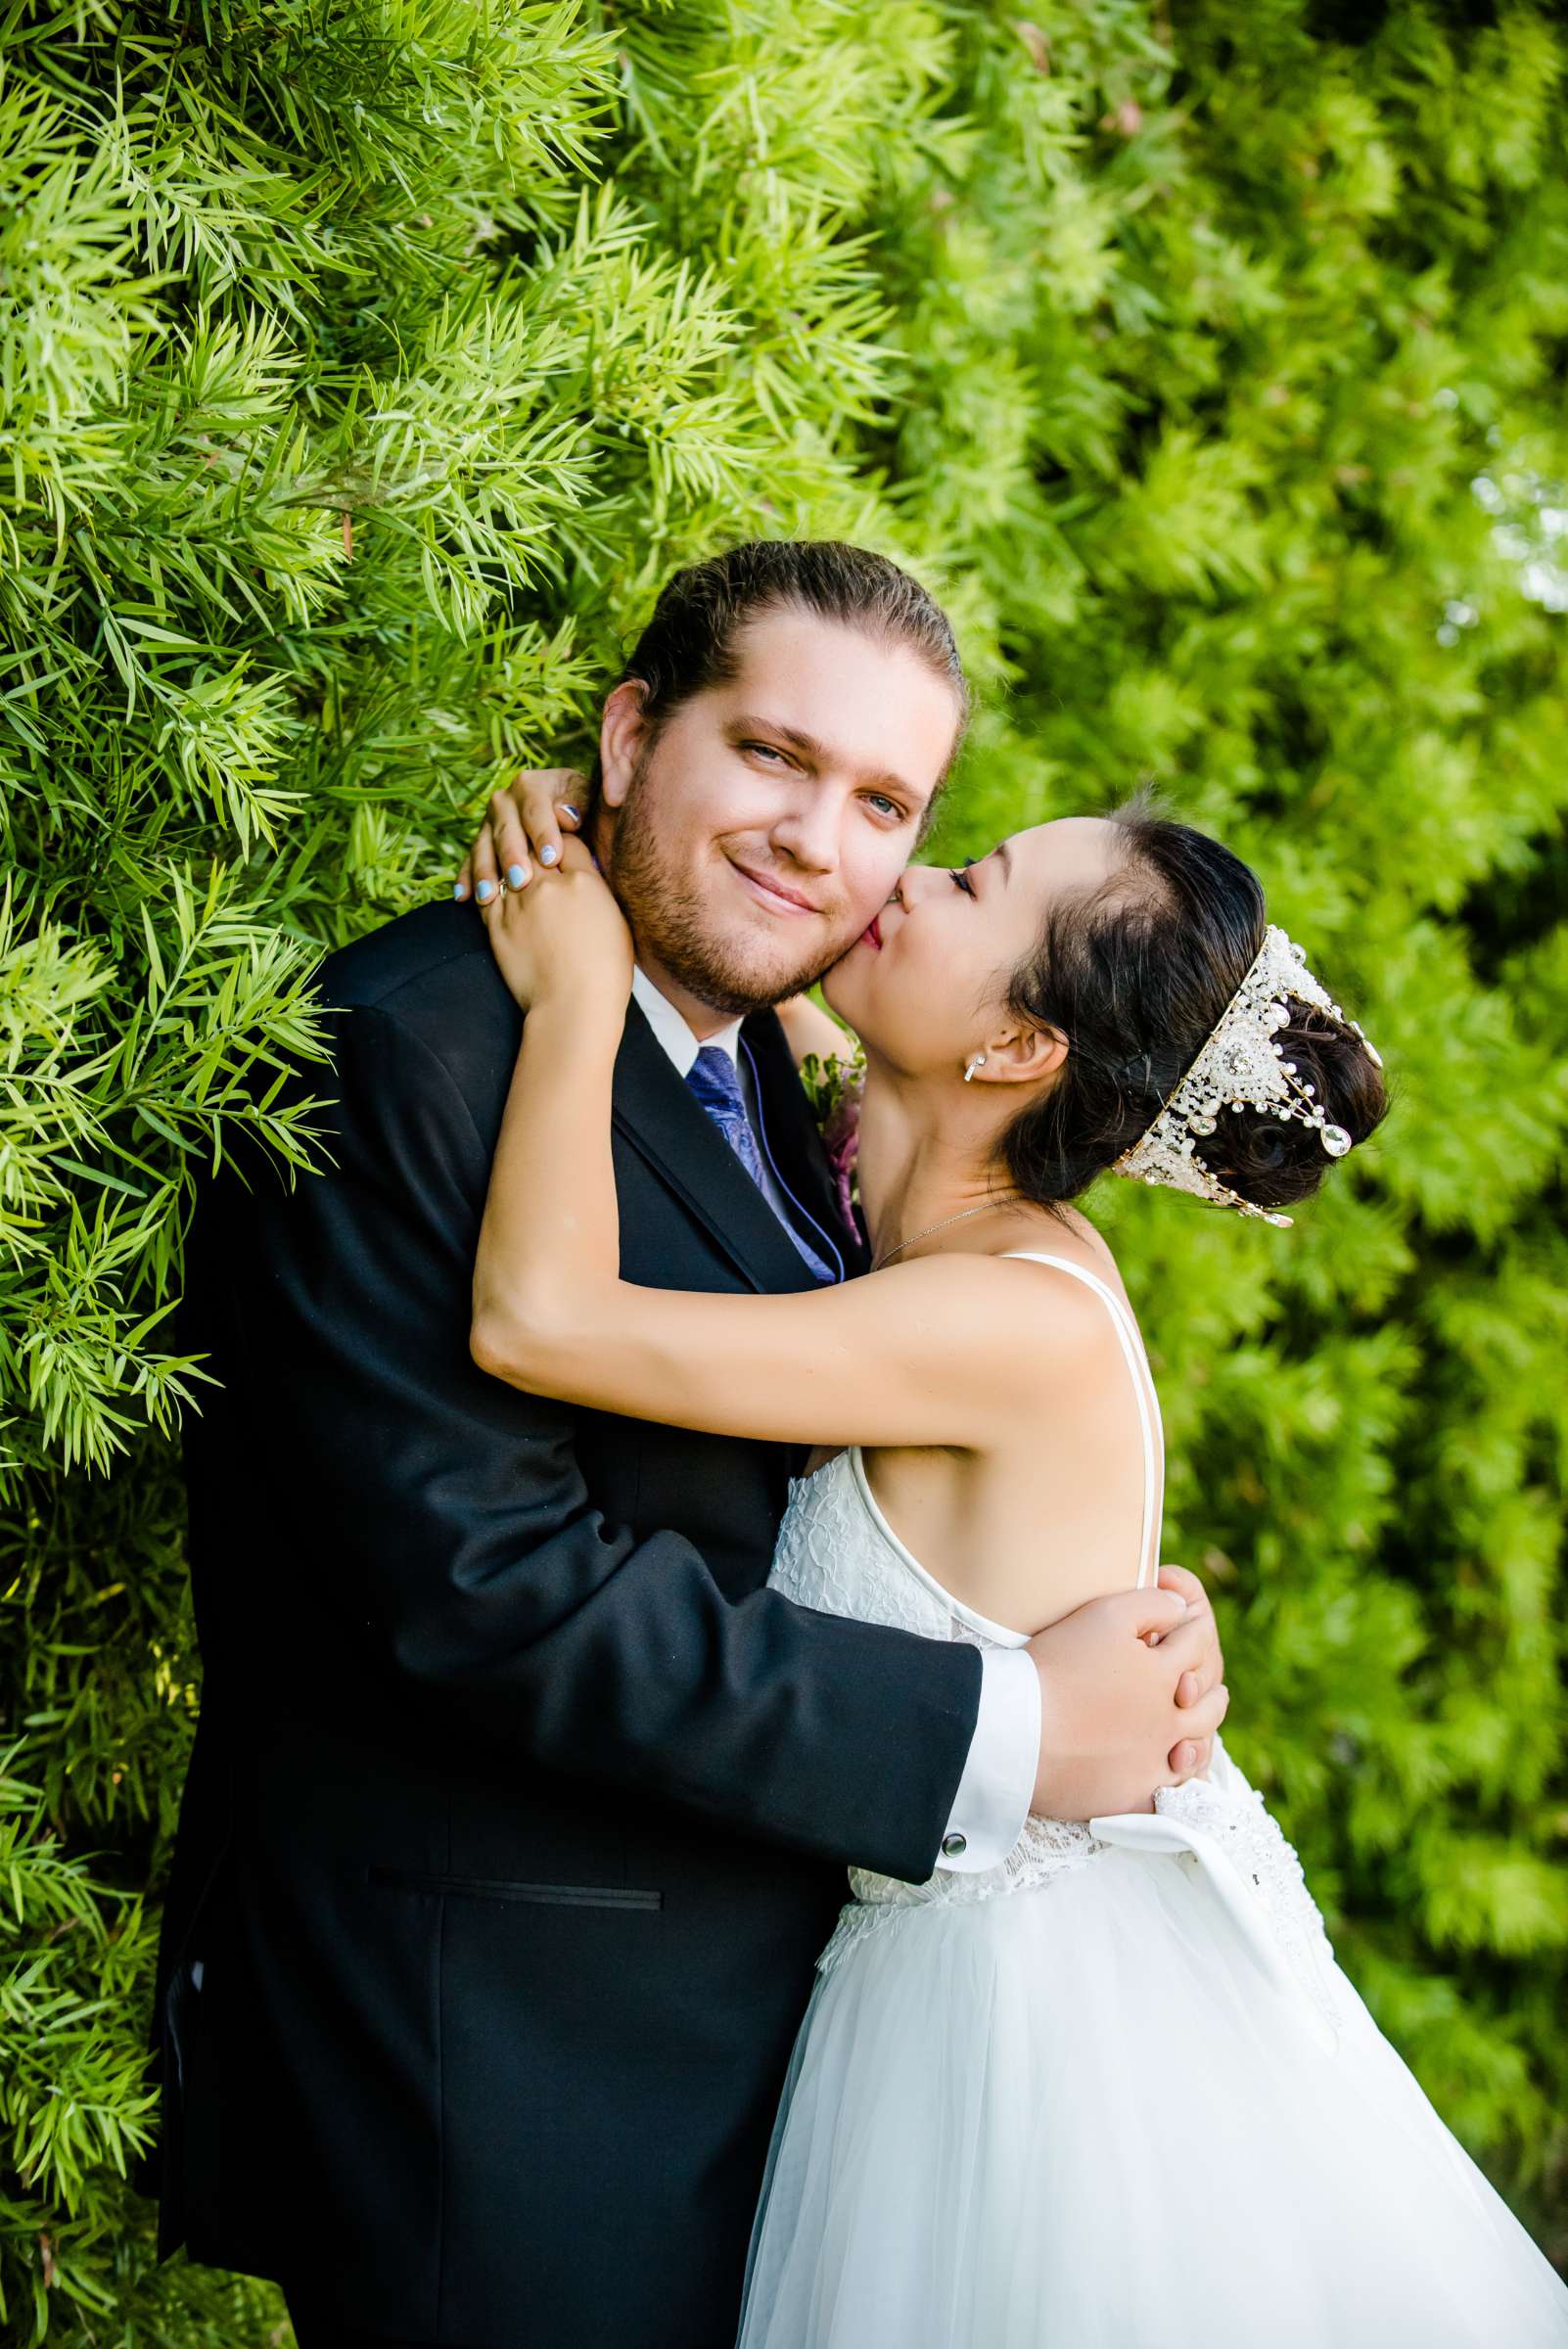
(716, 1081)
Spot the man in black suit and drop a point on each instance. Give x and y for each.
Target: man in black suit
(520, 1807)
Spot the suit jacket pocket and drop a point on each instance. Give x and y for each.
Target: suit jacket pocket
(548, 1896)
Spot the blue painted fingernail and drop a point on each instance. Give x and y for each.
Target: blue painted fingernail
(514, 874)
(459, 889)
(484, 891)
(548, 855)
(568, 815)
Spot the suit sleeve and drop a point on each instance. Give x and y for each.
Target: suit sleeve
(476, 1561)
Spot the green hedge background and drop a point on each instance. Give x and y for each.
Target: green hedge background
(363, 369)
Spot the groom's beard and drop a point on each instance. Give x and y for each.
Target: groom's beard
(670, 926)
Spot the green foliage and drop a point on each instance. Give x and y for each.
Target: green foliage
(362, 371)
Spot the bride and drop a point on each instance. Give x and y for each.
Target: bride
(1000, 2073)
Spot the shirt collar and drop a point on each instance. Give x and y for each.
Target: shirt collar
(672, 1029)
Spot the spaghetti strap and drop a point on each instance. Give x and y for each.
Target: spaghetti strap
(1148, 1401)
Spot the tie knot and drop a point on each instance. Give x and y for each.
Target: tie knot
(716, 1081)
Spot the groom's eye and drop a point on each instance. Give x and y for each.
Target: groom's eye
(880, 801)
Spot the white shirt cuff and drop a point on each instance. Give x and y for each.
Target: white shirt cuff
(997, 1785)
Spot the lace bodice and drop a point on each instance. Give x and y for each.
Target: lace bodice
(838, 1553)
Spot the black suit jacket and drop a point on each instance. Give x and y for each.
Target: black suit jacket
(519, 1807)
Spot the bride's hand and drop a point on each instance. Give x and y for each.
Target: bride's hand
(523, 828)
(564, 939)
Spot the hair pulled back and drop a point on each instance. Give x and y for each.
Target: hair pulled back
(1136, 974)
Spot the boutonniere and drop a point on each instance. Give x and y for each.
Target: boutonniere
(834, 1088)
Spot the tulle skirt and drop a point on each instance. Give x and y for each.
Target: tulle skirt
(1083, 2117)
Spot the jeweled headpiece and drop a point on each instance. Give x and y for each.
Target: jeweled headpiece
(1241, 1067)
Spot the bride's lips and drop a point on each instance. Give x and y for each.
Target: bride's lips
(872, 932)
(773, 893)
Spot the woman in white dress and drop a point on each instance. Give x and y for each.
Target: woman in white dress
(1000, 2072)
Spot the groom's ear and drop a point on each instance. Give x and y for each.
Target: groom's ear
(623, 736)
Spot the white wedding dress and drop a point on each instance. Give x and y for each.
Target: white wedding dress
(1115, 2094)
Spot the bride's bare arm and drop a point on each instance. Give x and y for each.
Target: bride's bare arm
(928, 1353)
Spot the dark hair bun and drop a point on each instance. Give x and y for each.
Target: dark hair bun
(1273, 1162)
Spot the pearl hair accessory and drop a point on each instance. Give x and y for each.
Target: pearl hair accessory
(1241, 1066)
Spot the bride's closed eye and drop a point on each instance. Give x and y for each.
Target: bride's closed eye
(958, 875)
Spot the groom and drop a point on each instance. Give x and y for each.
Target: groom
(520, 1808)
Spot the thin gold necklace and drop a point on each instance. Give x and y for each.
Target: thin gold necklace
(963, 1213)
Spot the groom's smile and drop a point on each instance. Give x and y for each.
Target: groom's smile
(773, 893)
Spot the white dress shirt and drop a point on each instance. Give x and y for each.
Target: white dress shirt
(998, 1782)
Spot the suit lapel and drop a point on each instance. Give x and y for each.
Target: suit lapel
(663, 1120)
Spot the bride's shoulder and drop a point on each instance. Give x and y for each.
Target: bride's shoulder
(1024, 1297)
(1073, 1269)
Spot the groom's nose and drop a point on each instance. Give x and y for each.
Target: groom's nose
(810, 831)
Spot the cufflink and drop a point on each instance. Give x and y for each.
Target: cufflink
(953, 1847)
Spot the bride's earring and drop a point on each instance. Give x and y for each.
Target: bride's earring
(978, 1062)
